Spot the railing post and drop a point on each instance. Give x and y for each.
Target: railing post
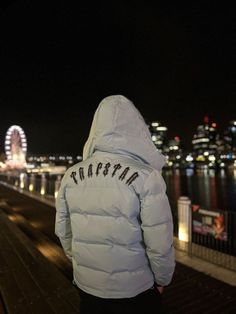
(43, 184)
(185, 222)
(57, 185)
(32, 182)
(22, 180)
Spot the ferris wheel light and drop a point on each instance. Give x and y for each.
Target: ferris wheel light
(16, 145)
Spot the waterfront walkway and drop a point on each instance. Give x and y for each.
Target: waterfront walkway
(31, 283)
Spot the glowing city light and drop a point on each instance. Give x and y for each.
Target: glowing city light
(15, 146)
(183, 234)
(155, 124)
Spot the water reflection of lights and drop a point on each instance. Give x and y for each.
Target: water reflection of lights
(222, 173)
(189, 172)
(205, 172)
(212, 173)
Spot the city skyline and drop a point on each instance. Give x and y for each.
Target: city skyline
(186, 148)
(59, 60)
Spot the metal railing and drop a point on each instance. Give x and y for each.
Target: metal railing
(42, 184)
(209, 234)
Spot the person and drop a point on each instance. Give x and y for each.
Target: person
(113, 216)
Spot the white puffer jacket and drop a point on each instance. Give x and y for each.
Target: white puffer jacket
(113, 217)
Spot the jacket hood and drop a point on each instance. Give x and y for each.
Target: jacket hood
(119, 128)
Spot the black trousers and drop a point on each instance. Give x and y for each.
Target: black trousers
(146, 302)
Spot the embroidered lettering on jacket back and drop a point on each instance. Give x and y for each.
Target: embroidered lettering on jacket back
(117, 170)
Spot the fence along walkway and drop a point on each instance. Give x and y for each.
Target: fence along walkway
(207, 254)
(29, 283)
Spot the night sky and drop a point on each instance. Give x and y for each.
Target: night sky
(59, 59)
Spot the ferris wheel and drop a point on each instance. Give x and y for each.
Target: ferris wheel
(15, 144)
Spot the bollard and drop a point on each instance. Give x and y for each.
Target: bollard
(43, 184)
(185, 221)
(32, 182)
(22, 180)
(57, 186)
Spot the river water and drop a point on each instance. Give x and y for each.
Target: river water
(210, 189)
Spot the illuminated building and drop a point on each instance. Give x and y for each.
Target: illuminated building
(227, 157)
(159, 135)
(206, 137)
(206, 143)
(174, 152)
(230, 136)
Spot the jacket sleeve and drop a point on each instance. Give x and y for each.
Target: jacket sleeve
(63, 224)
(157, 226)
